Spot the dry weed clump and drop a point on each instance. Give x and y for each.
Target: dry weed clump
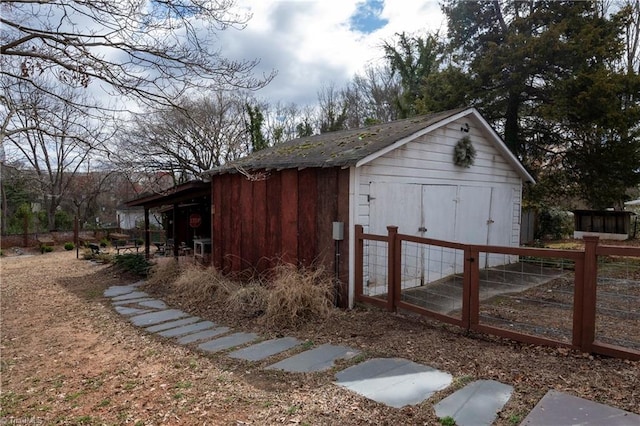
(198, 285)
(249, 300)
(163, 274)
(297, 295)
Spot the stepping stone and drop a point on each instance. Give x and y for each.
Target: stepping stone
(476, 404)
(157, 317)
(393, 381)
(130, 296)
(318, 359)
(230, 341)
(265, 349)
(201, 335)
(128, 302)
(187, 329)
(172, 324)
(123, 310)
(558, 408)
(153, 304)
(118, 290)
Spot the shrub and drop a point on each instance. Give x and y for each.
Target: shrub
(104, 242)
(555, 223)
(199, 285)
(135, 263)
(297, 295)
(69, 246)
(249, 300)
(163, 274)
(46, 249)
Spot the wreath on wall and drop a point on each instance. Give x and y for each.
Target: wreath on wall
(464, 153)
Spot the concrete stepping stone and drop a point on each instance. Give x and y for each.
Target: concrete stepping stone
(187, 329)
(130, 296)
(559, 408)
(202, 335)
(118, 290)
(130, 301)
(396, 382)
(126, 311)
(226, 342)
(157, 317)
(265, 349)
(153, 304)
(172, 324)
(318, 359)
(476, 404)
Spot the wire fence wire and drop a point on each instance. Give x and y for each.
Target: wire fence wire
(531, 295)
(522, 293)
(375, 264)
(432, 277)
(618, 301)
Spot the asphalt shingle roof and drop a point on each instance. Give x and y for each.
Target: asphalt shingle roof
(335, 149)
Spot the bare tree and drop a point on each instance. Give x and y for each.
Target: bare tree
(186, 140)
(54, 141)
(372, 96)
(333, 109)
(148, 51)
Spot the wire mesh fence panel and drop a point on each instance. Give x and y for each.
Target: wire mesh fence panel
(618, 301)
(530, 295)
(432, 277)
(375, 269)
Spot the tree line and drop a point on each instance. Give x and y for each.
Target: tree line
(558, 80)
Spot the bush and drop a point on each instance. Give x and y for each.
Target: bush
(163, 274)
(69, 246)
(135, 263)
(297, 295)
(555, 223)
(249, 300)
(46, 249)
(202, 286)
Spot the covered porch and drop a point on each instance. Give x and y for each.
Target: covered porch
(186, 219)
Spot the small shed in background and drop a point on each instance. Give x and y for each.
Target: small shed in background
(446, 176)
(606, 224)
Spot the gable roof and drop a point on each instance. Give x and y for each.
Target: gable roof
(177, 194)
(356, 147)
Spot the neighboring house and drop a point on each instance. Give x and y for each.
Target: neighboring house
(132, 217)
(280, 204)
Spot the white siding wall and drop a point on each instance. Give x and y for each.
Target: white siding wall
(428, 160)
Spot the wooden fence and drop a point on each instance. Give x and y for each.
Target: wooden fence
(587, 299)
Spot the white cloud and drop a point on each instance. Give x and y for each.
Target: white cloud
(310, 42)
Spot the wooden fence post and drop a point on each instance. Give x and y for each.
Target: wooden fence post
(589, 288)
(470, 289)
(392, 265)
(359, 260)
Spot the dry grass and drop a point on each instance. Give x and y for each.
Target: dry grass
(284, 297)
(163, 274)
(249, 300)
(298, 294)
(203, 285)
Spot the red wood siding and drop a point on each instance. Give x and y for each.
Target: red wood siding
(287, 217)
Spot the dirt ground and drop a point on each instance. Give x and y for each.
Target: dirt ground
(68, 358)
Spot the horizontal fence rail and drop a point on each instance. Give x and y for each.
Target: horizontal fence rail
(587, 299)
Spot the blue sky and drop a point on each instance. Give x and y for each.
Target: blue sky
(311, 43)
(367, 17)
